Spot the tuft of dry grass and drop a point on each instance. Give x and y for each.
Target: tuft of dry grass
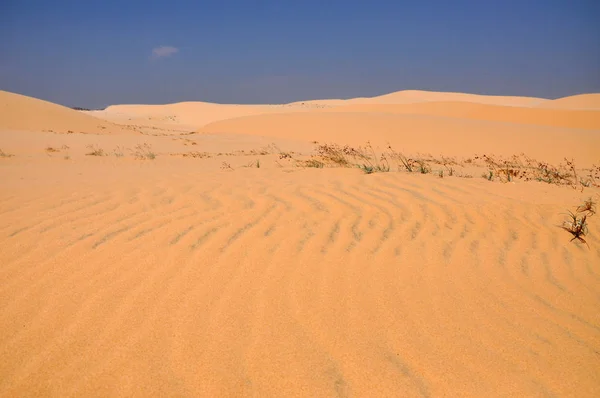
(364, 158)
(315, 163)
(143, 152)
(196, 154)
(226, 166)
(5, 155)
(588, 206)
(95, 151)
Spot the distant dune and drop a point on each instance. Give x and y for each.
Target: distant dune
(184, 113)
(19, 112)
(420, 133)
(581, 119)
(417, 96)
(582, 101)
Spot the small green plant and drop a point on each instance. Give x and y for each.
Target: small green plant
(95, 151)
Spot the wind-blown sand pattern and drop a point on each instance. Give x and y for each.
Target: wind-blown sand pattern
(181, 277)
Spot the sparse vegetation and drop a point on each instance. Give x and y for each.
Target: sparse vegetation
(365, 158)
(311, 163)
(226, 166)
(5, 155)
(524, 168)
(118, 152)
(95, 151)
(196, 154)
(144, 152)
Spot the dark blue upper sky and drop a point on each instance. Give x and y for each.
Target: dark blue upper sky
(96, 53)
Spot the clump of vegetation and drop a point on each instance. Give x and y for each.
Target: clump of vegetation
(50, 150)
(365, 158)
(95, 151)
(577, 224)
(317, 164)
(525, 168)
(226, 166)
(118, 152)
(5, 155)
(196, 154)
(144, 152)
(255, 163)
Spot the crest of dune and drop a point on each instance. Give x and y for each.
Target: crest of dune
(581, 101)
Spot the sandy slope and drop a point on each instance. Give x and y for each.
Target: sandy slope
(422, 133)
(176, 278)
(582, 101)
(211, 276)
(19, 112)
(193, 115)
(580, 119)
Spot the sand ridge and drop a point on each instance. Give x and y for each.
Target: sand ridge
(581, 101)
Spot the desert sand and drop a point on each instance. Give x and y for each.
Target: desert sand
(188, 250)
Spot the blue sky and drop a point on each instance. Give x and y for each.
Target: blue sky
(96, 53)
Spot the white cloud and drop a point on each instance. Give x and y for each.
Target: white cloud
(164, 51)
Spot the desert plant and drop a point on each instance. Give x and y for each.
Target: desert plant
(312, 163)
(423, 167)
(226, 166)
(402, 160)
(576, 225)
(95, 151)
(144, 152)
(588, 206)
(118, 152)
(5, 155)
(50, 149)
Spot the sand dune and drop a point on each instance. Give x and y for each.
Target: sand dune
(582, 119)
(171, 279)
(19, 112)
(421, 133)
(222, 267)
(582, 101)
(418, 96)
(189, 113)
